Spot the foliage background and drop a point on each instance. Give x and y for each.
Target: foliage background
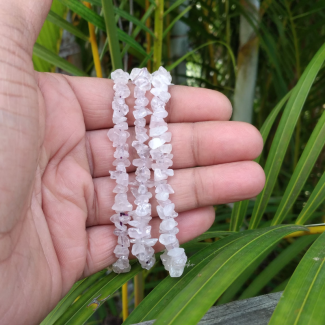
(287, 105)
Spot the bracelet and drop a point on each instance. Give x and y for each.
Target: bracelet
(159, 158)
(141, 233)
(118, 135)
(173, 258)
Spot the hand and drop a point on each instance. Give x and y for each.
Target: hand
(55, 191)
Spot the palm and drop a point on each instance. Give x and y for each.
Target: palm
(56, 195)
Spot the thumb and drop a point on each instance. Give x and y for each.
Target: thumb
(24, 17)
(21, 119)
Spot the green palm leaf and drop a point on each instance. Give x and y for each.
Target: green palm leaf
(240, 208)
(166, 291)
(137, 30)
(49, 38)
(303, 299)
(95, 296)
(177, 18)
(306, 163)
(277, 265)
(99, 22)
(134, 20)
(173, 6)
(52, 58)
(188, 307)
(62, 23)
(77, 289)
(315, 200)
(284, 133)
(180, 60)
(238, 284)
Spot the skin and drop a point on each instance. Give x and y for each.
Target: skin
(55, 190)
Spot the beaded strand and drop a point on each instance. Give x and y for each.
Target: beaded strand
(141, 233)
(173, 258)
(118, 135)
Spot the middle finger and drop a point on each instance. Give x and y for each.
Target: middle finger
(194, 144)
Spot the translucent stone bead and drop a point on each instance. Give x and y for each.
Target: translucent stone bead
(140, 122)
(120, 76)
(142, 137)
(157, 131)
(167, 136)
(122, 161)
(121, 203)
(157, 121)
(142, 101)
(141, 113)
(143, 209)
(121, 90)
(143, 198)
(122, 265)
(167, 225)
(137, 249)
(166, 239)
(143, 171)
(122, 179)
(149, 263)
(157, 104)
(177, 263)
(161, 113)
(139, 93)
(121, 251)
(164, 188)
(143, 84)
(147, 162)
(156, 143)
(163, 75)
(158, 83)
(120, 189)
(150, 241)
(175, 244)
(121, 152)
(134, 73)
(157, 153)
(119, 225)
(142, 189)
(169, 209)
(135, 233)
(163, 196)
(163, 95)
(120, 217)
(124, 241)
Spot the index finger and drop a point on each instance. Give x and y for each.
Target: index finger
(187, 104)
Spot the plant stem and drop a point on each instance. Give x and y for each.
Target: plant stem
(138, 289)
(111, 30)
(148, 37)
(125, 302)
(159, 25)
(313, 229)
(94, 46)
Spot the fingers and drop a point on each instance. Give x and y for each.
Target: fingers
(187, 104)
(194, 144)
(102, 241)
(194, 187)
